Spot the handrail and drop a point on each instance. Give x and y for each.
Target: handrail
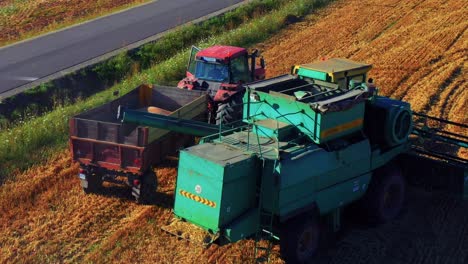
(294, 88)
(314, 95)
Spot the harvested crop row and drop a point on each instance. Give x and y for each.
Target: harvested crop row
(49, 219)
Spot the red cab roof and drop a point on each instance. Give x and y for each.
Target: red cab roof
(222, 52)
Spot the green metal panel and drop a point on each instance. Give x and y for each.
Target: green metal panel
(238, 194)
(270, 171)
(243, 227)
(313, 74)
(341, 194)
(380, 158)
(186, 126)
(348, 163)
(308, 171)
(198, 177)
(296, 180)
(215, 185)
(320, 127)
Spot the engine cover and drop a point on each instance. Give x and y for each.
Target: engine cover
(388, 121)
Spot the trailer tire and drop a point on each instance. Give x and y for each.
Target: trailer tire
(230, 110)
(145, 192)
(299, 238)
(386, 195)
(92, 184)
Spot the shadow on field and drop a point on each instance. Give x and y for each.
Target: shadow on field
(160, 199)
(430, 229)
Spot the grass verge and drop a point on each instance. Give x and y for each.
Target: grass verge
(33, 141)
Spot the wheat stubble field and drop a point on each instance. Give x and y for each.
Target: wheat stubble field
(419, 52)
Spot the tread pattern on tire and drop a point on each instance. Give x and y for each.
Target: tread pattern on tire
(230, 110)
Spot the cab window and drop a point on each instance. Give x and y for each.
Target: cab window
(211, 71)
(240, 70)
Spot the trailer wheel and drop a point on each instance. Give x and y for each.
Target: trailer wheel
(230, 111)
(145, 192)
(385, 196)
(299, 239)
(92, 183)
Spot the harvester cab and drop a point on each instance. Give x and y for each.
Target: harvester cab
(346, 74)
(222, 71)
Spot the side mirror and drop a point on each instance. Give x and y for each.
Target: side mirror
(262, 63)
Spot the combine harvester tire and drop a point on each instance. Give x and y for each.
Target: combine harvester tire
(386, 195)
(299, 238)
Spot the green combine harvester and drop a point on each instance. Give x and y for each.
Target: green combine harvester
(311, 142)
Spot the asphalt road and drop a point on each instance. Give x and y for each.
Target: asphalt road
(32, 60)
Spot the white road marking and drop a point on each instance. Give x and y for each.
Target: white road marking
(22, 78)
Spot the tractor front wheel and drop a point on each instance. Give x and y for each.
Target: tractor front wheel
(299, 239)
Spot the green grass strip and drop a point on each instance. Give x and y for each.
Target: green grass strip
(33, 141)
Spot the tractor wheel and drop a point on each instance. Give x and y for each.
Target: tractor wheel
(92, 184)
(230, 111)
(146, 190)
(299, 239)
(386, 194)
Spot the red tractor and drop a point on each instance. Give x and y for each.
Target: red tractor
(222, 71)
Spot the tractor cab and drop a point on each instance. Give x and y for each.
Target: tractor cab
(218, 66)
(222, 71)
(221, 64)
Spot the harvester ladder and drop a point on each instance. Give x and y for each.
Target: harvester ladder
(265, 231)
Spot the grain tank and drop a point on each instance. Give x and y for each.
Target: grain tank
(312, 142)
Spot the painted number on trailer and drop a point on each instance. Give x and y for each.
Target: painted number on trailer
(198, 189)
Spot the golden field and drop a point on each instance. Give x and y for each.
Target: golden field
(419, 52)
